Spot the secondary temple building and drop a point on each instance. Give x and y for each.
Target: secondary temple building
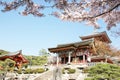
(83, 51)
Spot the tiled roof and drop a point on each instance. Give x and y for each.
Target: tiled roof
(97, 34)
(70, 46)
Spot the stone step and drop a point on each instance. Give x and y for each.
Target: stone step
(45, 76)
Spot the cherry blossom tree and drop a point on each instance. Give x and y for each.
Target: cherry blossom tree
(89, 11)
(103, 48)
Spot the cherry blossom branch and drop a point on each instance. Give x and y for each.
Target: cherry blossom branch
(116, 6)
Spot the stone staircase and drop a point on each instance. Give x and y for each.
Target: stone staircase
(45, 76)
(49, 75)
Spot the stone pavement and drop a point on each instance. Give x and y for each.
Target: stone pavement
(53, 74)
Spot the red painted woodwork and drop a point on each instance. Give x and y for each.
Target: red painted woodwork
(18, 58)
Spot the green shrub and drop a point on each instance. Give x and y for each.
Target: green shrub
(40, 70)
(104, 71)
(71, 71)
(85, 70)
(10, 69)
(88, 79)
(11, 65)
(47, 69)
(19, 71)
(63, 71)
(31, 71)
(28, 71)
(66, 68)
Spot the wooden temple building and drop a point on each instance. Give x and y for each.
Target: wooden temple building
(83, 51)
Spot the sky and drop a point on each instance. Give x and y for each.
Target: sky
(31, 34)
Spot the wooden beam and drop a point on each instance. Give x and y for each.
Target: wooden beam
(93, 45)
